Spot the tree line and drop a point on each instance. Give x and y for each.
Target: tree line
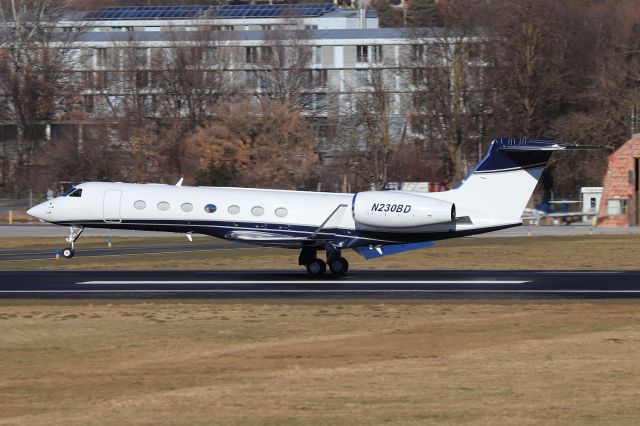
(565, 70)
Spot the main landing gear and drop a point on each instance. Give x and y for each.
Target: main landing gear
(338, 265)
(74, 234)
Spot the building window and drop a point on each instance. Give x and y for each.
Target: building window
(362, 54)
(320, 103)
(210, 55)
(251, 55)
(317, 55)
(140, 205)
(89, 108)
(163, 205)
(251, 79)
(102, 80)
(417, 52)
(267, 54)
(363, 77)
(101, 57)
(88, 80)
(320, 78)
(376, 54)
(616, 207)
(417, 75)
(186, 207)
(142, 78)
(210, 208)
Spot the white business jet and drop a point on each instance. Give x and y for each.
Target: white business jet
(373, 223)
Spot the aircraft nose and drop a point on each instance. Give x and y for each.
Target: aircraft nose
(38, 211)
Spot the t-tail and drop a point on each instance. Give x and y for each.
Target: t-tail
(502, 183)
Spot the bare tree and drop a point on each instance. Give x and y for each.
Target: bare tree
(451, 105)
(35, 63)
(280, 69)
(194, 74)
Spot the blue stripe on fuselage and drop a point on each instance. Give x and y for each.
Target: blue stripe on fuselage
(338, 236)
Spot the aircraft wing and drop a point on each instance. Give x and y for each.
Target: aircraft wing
(265, 238)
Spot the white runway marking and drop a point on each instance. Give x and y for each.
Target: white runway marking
(228, 282)
(327, 291)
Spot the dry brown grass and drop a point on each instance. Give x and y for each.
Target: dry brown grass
(575, 252)
(112, 363)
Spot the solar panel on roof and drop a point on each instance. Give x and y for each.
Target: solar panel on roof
(229, 11)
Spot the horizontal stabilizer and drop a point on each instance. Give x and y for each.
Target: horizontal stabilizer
(372, 252)
(520, 145)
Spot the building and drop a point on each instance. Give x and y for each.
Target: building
(620, 198)
(181, 61)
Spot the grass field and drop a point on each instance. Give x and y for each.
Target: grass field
(567, 252)
(325, 362)
(339, 362)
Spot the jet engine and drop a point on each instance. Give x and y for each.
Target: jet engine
(389, 209)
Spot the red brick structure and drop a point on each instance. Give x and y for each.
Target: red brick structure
(619, 206)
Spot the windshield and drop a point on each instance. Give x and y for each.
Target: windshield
(73, 192)
(69, 191)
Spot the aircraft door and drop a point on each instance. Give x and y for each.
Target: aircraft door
(111, 206)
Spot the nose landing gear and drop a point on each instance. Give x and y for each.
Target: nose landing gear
(74, 234)
(338, 265)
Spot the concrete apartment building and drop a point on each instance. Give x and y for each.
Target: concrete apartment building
(328, 58)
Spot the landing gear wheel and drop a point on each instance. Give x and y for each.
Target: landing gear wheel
(316, 267)
(67, 253)
(339, 265)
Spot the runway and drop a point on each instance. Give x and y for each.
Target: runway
(518, 285)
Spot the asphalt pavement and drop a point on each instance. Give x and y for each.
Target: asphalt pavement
(25, 254)
(469, 285)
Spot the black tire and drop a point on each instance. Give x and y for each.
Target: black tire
(316, 267)
(67, 253)
(339, 266)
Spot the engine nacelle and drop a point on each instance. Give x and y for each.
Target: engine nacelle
(389, 209)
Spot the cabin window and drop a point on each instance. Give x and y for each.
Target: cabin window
(140, 205)
(210, 208)
(257, 211)
(186, 207)
(281, 212)
(76, 193)
(163, 205)
(233, 209)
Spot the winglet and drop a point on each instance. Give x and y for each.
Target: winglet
(180, 182)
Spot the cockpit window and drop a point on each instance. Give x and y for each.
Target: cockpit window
(73, 192)
(69, 191)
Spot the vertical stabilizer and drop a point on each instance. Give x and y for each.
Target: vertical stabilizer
(502, 183)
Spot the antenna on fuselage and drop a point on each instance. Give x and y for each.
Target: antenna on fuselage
(180, 182)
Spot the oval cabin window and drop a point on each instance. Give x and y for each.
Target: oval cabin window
(186, 207)
(163, 205)
(210, 208)
(281, 212)
(234, 209)
(140, 205)
(257, 211)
